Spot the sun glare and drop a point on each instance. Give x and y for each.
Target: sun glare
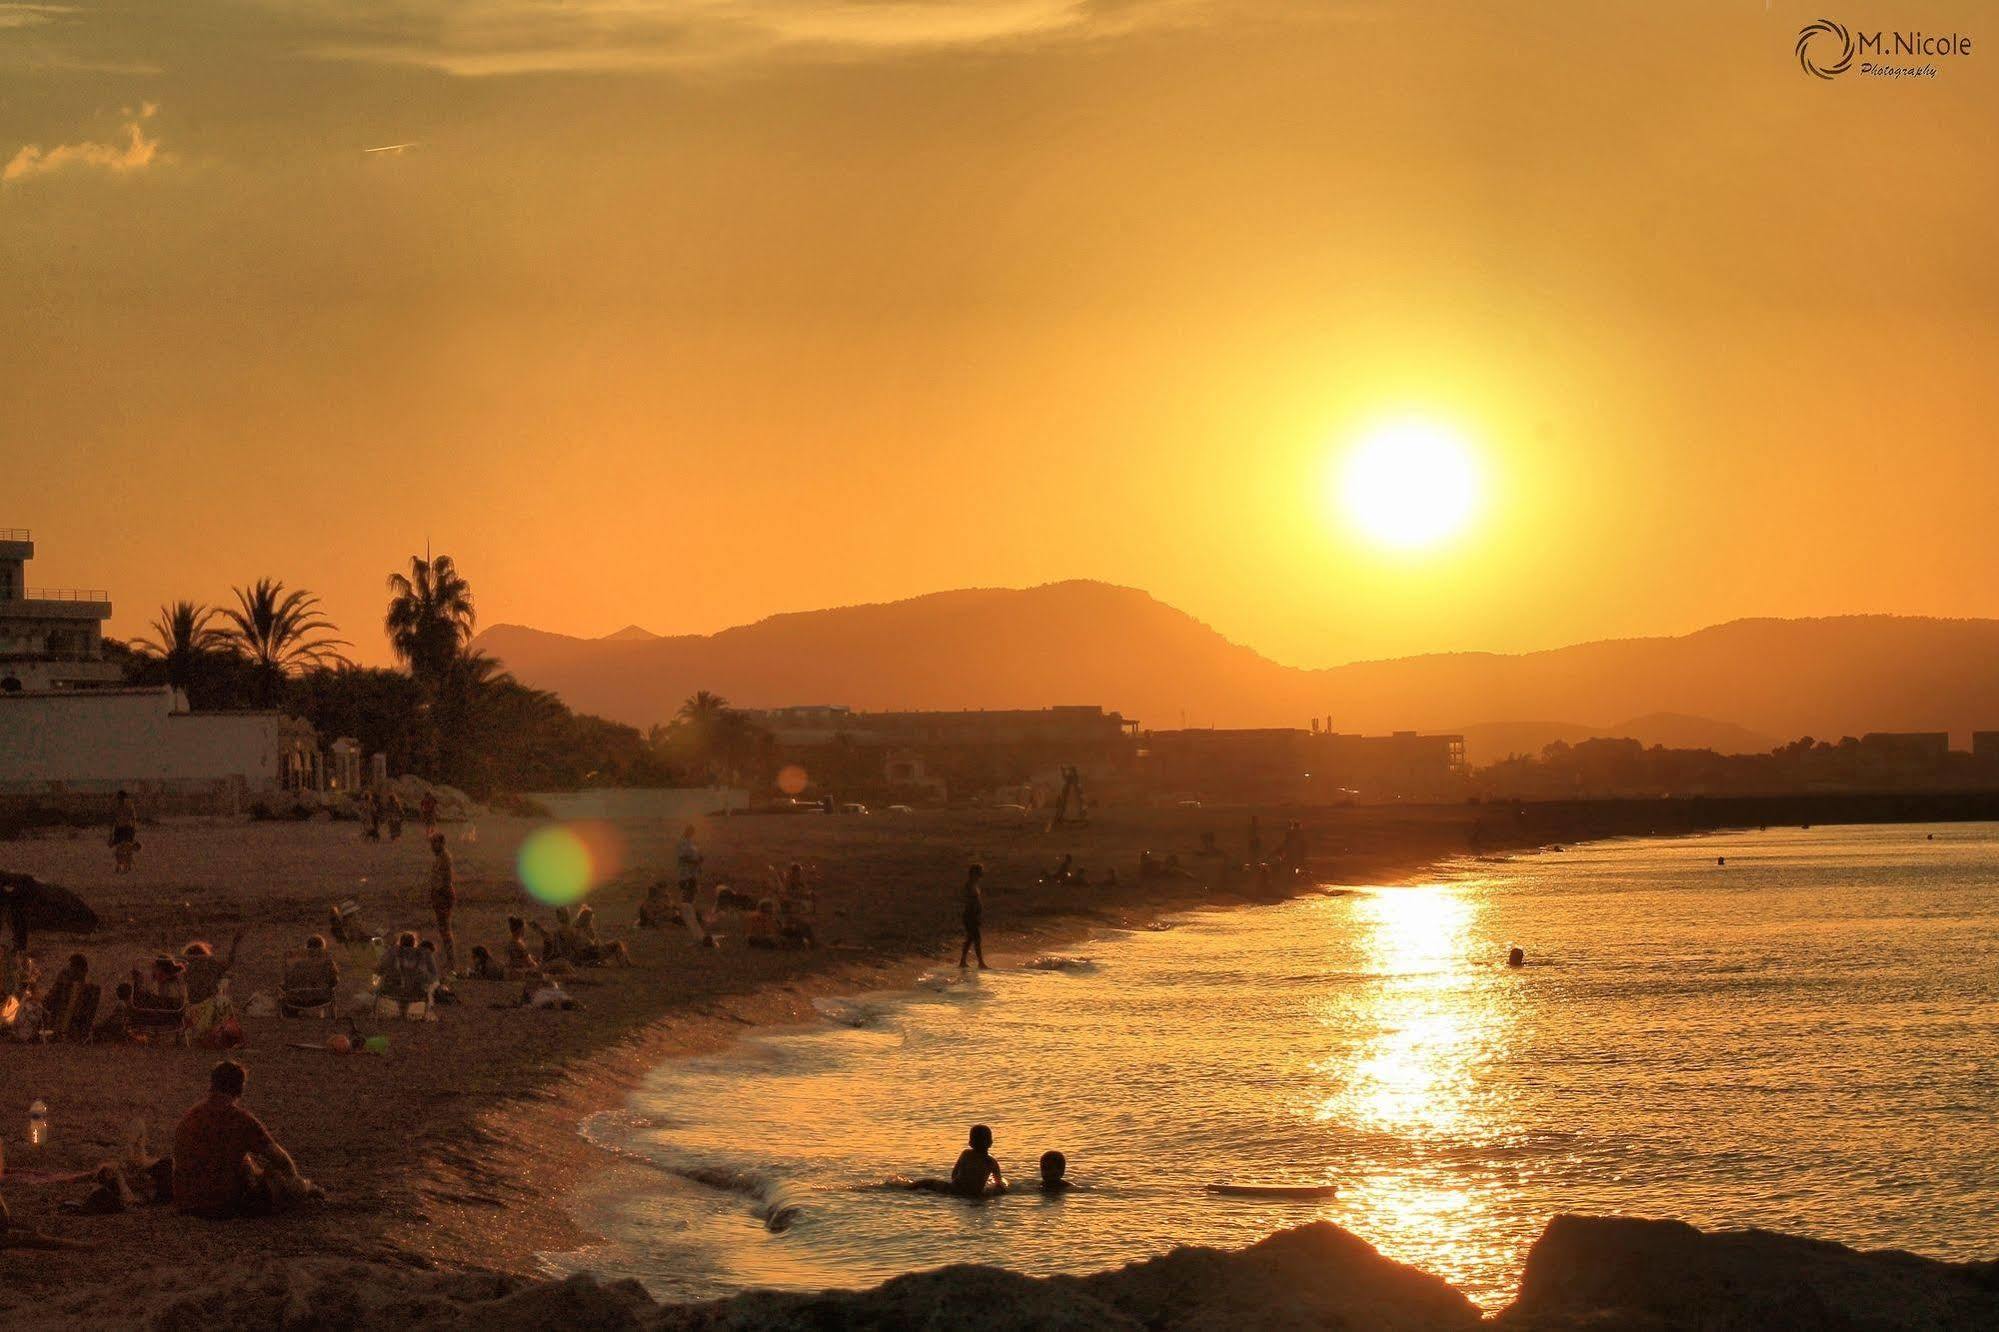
(1409, 484)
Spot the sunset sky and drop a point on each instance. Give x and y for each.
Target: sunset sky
(682, 312)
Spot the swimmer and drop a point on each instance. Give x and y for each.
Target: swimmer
(1517, 958)
(1054, 1166)
(1721, 860)
(976, 1175)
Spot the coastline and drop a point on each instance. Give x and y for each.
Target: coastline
(474, 1178)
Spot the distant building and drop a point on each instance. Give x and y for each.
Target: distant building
(50, 638)
(1306, 766)
(1085, 726)
(1985, 746)
(960, 752)
(71, 733)
(1905, 746)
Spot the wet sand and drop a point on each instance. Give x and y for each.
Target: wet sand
(457, 1149)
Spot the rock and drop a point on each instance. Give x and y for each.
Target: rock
(1316, 1276)
(1618, 1272)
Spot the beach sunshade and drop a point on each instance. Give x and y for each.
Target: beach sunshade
(45, 907)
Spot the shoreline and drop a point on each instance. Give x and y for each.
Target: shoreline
(475, 1176)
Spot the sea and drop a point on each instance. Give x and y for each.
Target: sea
(1793, 1028)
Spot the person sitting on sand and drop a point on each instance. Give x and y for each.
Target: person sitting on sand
(792, 926)
(761, 926)
(1054, 1172)
(116, 1028)
(521, 961)
(30, 1018)
(310, 979)
(73, 1000)
(593, 949)
(485, 966)
(204, 970)
(406, 972)
(162, 990)
(226, 1163)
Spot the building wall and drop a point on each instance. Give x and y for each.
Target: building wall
(113, 736)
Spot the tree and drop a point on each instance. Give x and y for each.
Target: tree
(280, 633)
(184, 639)
(430, 617)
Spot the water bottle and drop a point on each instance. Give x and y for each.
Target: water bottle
(38, 1124)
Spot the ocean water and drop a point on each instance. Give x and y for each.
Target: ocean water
(1805, 1038)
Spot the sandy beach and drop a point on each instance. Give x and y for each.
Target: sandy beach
(456, 1149)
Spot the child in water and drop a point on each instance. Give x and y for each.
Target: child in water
(1054, 1166)
(976, 1174)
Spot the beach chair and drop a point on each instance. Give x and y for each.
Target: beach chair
(410, 1008)
(157, 1022)
(304, 990)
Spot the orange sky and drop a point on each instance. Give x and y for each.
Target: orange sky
(683, 313)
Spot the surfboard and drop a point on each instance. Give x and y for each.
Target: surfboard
(1293, 1191)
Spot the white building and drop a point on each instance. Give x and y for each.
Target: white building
(69, 729)
(76, 741)
(50, 637)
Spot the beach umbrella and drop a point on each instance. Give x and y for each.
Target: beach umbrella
(26, 903)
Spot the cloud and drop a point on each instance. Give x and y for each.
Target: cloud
(31, 16)
(135, 152)
(488, 37)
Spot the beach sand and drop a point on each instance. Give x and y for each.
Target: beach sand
(457, 1148)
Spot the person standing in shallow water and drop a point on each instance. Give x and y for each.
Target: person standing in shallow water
(975, 918)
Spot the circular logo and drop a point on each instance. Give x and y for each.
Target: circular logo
(1826, 36)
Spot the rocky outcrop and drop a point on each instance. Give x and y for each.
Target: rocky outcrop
(1616, 1272)
(1583, 1273)
(1317, 1276)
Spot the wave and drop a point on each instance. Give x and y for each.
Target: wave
(1081, 966)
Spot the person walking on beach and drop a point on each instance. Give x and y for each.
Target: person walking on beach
(395, 817)
(124, 833)
(975, 918)
(687, 863)
(444, 898)
(427, 807)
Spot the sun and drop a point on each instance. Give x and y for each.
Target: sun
(1409, 484)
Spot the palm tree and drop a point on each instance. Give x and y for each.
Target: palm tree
(430, 617)
(184, 636)
(703, 709)
(280, 633)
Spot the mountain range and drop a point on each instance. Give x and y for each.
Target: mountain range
(1735, 687)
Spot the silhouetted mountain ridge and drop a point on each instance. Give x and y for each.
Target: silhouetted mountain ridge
(1734, 685)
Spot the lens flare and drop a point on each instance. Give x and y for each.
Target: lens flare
(561, 863)
(791, 779)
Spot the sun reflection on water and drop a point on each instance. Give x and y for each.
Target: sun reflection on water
(1428, 1022)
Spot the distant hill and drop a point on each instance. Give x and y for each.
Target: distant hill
(1085, 642)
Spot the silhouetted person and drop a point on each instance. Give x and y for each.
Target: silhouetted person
(1517, 958)
(977, 1174)
(223, 1157)
(1054, 1166)
(975, 918)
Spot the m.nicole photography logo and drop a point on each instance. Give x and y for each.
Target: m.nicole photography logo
(1827, 50)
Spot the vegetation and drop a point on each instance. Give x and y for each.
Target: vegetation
(714, 742)
(453, 715)
(184, 641)
(280, 634)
